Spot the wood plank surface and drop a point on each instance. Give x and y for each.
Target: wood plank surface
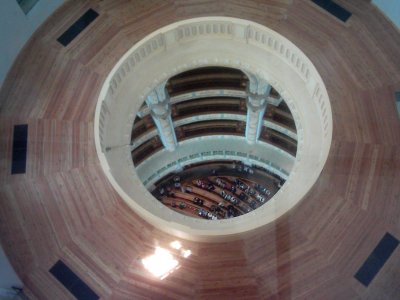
(65, 208)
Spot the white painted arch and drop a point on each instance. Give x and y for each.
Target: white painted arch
(212, 41)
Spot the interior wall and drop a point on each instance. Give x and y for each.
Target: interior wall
(391, 8)
(8, 277)
(16, 28)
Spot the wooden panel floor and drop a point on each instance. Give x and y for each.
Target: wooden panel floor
(64, 207)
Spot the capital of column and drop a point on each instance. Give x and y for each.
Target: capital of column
(256, 102)
(158, 102)
(157, 95)
(258, 91)
(161, 110)
(258, 86)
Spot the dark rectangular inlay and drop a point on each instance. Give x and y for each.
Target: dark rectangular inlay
(76, 28)
(72, 282)
(377, 259)
(397, 95)
(334, 9)
(19, 150)
(27, 5)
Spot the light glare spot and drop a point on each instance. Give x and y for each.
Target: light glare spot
(186, 253)
(161, 263)
(176, 245)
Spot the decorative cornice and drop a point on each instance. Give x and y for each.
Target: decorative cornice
(213, 41)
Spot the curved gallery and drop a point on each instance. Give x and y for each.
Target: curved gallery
(269, 60)
(200, 111)
(64, 208)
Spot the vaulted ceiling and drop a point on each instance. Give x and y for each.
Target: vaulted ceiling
(64, 208)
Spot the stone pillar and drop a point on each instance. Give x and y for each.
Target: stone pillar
(257, 93)
(158, 102)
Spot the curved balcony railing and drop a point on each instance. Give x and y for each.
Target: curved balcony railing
(208, 105)
(211, 127)
(223, 108)
(214, 147)
(281, 117)
(141, 126)
(146, 150)
(278, 139)
(206, 78)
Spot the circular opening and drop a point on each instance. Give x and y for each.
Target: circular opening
(222, 123)
(270, 64)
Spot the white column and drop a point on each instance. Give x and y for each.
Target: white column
(158, 102)
(257, 93)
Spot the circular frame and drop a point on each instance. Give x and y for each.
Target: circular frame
(212, 41)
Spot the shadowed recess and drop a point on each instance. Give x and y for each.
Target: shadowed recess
(72, 282)
(377, 259)
(76, 28)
